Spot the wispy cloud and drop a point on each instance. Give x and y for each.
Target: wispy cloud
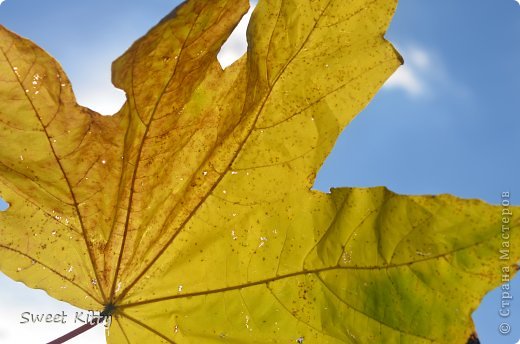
(406, 79)
(424, 75)
(412, 77)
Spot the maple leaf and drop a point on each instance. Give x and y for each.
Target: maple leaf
(189, 216)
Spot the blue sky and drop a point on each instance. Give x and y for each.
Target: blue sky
(446, 122)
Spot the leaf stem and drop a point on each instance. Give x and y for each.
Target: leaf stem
(105, 314)
(83, 328)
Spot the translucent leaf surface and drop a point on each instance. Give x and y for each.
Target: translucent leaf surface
(190, 214)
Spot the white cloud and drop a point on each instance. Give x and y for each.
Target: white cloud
(407, 79)
(419, 58)
(236, 45)
(412, 76)
(105, 99)
(424, 75)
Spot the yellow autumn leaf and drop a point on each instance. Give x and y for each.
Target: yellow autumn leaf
(189, 215)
